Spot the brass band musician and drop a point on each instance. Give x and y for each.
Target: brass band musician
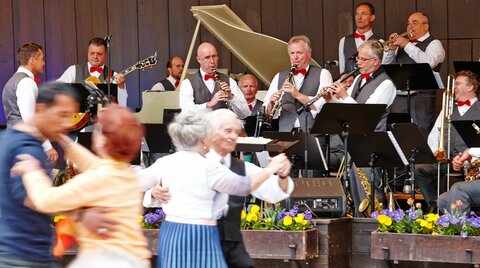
(306, 82)
(466, 107)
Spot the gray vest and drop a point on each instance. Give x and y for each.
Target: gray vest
(289, 115)
(201, 94)
(9, 99)
(82, 72)
(229, 225)
(457, 144)
(167, 85)
(361, 94)
(350, 49)
(402, 56)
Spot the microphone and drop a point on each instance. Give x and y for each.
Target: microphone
(107, 38)
(330, 63)
(354, 55)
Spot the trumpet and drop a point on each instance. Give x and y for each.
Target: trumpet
(218, 81)
(392, 39)
(278, 103)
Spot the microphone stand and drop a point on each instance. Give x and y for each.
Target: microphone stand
(306, 108)
(110, 71)
(260, 120)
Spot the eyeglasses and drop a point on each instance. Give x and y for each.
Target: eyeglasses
(363, 59)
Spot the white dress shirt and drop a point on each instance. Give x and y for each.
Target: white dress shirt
(341, 45)
(69, 77)
(434, 54)
(239, 104)
(159, 86)
(325, 80)
(433, 137)
(27, 92)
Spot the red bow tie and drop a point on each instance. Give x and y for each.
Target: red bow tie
(302, 71)
(366, 76)
(413, 40)
(461, 103)
(96, 69)
(250, 106)
(36, 79)
(357, 35)
(209, 76)
(177, 82)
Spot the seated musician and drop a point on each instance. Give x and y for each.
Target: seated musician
(204, 91)
(249, 86)
(466, 107)
(371, 86)
(95, 66)
(174, 72)
(468, 192)
(303, 86)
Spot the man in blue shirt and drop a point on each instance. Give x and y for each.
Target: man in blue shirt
(25, 234)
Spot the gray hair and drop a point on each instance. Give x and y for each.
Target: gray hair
(301, 37)
(218, 117)
(107, 257)
(188, 127)
(375, 47)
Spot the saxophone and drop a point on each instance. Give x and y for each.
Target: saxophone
(365, 204)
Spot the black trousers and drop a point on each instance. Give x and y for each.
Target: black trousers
(236, 255)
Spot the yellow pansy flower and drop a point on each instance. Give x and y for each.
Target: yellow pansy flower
(255, 209)
(287, 221)
(385, 220)
(243, 215)
(299, 218)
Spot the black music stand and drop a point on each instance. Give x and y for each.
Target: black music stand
(411, 76)
(375, 150)
(414, 146)
(473, 66)
(296, 152)
(157, 138)
(345, 119)
(469, 131)
(85, 139)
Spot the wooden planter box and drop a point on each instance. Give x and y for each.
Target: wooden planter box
(286, 245)
(425, 248)
(152, 237)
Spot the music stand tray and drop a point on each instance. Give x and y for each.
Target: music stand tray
(157, 138)
(414, 75)
(473, 66)
(469, 131)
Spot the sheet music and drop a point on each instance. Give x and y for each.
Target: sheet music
(253, 140)
(397, 148)
(438, 79)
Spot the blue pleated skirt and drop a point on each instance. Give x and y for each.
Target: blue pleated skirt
(189, 245)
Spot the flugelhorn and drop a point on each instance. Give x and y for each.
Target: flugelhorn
(276, 105)
(218, 81)
(392, 39)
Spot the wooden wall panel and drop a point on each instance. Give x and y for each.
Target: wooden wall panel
(396, 14)
(91, 20)
(476, 50)
(277, 18)
(459, 50)
(225, 55)
(28, 25)
(308, 22)
(152, 36)
(463, 19)
(437, 13)
(7, 49)
(60, 36)
(124, 44)
(250, 12)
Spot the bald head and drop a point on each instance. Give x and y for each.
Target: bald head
(249, 86)
(207, 57)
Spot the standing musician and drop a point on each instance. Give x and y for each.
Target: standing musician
(20, 92)
(174, 72)
(347, 48)
(421, 47)
(202, 90)
(371, 86)
(306, 82)
(466, 107)
(95, 66)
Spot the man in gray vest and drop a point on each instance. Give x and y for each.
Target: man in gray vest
(19, 95)
(347, 48)
(466, 107)
(95, 66)
(174, 72)
(204, 91)
(228, 208)
(419, 48)
(304, 85)
(371, 86)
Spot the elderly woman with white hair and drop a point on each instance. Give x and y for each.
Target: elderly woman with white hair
(189, 236)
